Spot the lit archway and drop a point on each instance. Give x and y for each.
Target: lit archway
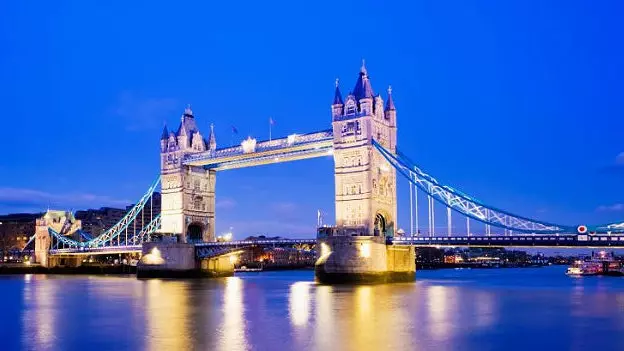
(380, 225)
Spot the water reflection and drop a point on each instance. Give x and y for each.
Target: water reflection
(299, 303)
(232, 334)
(441, 307)
(287, 311)
(167, 314)
(39, 318)
(485, 306)
(324, 328)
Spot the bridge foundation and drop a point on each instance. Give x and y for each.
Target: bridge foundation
(63, 261)
(363, 259)
(178, 260)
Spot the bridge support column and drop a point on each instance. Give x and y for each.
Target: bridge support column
(363, 259)
(178, 260)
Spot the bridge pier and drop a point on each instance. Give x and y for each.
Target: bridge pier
(178, 260)
(63, 261)
(363, 259)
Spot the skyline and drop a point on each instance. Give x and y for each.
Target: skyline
(101, 144)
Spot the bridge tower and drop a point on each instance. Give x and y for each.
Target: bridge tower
(365, 182)
(188, 192)
(356, 249)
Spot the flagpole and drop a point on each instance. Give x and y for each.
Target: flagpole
(270, 128)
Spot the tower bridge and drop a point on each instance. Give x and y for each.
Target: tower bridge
(362, 245)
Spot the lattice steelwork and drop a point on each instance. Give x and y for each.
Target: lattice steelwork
(465, 204)
(117, 235)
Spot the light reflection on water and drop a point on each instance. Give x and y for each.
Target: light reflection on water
(443, 310)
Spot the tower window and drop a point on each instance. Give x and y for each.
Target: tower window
(197, 202)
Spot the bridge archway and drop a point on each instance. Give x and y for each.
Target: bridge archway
(194, 232)
(381, 228)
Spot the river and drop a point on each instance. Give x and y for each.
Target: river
(487, 309)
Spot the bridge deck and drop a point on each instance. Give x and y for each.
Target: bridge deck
(293, 147)
(563, 241)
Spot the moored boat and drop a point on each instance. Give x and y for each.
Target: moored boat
(600, 264)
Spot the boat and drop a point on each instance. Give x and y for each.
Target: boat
(579, 268)
(245, 269)
(600, 264)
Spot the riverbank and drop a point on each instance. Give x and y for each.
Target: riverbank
(428, 266)
(88, 269)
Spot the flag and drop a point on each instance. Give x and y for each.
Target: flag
(234, 130)
(271, 121)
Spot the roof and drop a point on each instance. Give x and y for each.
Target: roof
(363, 88)
(337, 96)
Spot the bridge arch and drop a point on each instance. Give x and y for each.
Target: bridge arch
(383, 224)
(195, 232)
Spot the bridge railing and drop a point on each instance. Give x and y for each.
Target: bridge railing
(262, 146)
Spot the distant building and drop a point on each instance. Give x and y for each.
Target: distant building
(97, 221)
(15, 231)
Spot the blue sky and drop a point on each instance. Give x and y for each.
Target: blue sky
(518, 103)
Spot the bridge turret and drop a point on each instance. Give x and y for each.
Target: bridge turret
(188, 199)
(366, 204)
(338, 104)
(212, 141)
(164, 138)
(390, 110)
(365, 182)
(363, 91)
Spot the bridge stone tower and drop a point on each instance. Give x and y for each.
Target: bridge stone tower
(188, 192)
(356, 249)
(365, 182)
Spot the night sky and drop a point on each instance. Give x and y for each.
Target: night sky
(517, 103)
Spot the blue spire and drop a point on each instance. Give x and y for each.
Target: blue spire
(337, 95)
(390, 102)
(165, 133)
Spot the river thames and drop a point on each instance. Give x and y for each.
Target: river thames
(490, 309)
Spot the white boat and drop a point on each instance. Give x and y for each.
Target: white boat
(579, 268)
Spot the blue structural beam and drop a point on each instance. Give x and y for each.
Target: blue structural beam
(97, 250)
(562, 241)
(237, 243)
(252, 153)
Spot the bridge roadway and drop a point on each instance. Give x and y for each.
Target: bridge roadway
(210, 249)
(527, 240)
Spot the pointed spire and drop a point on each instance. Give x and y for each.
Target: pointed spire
(363, 88)
(165, 133)
(212, 141)
(337, 95)
(188, 111)
(390, 102)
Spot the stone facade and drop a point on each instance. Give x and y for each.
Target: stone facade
(188, 192)
(177, 260)
(62, 222)
(365, 182)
